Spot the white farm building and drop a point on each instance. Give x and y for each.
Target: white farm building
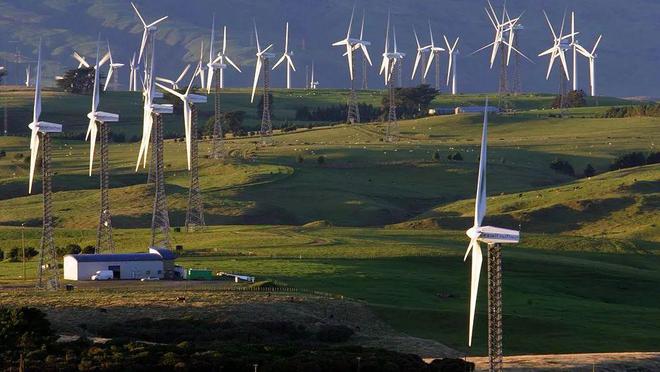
(158, 263)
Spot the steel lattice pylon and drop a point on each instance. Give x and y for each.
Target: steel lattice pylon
(353, 109)
(392, 127)
(160, 222)
(104, 242)
(563, 92)
(437, 70)
(195, 212)
(218, 151)
(495, 354)
(365, 77)
(503, 90)
(49, 273)
(266, 131)
(516, 86)
(151, 172)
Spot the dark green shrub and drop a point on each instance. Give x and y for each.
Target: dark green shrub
(654, 158)
(563, 167)
(633, 159)
(589, 171)
(321, 160)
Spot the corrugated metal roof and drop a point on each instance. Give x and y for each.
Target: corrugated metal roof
(116, 257)
(163, 252)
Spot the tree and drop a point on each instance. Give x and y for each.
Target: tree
(78, 81)
(654, 158)
(411, 102)
(231, 121)
(436, 155)
(89, 249)
(321, 160)
(260, 106)
(633, 159)
(589, 171)
(563, 167)
(574, 98)
(2, 255)
(24, 328)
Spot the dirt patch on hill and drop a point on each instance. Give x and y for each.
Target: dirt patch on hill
(87, 310)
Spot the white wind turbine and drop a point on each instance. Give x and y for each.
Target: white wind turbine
(361, 43)
(421, 50)
(503, 26)
(201, 67)
(478, 233)
(287, 57)
(451, 68)
(132, 80)
(188, 100)
(174, 84)
(313, 83)
(349, 43)
(390, 59)
(27, 76)
(261, 56)
(148, 28)
(592, 63)
(95, 116)
(212, 56)
(37, 126)
(223, 59)
(111, 69)
(435, 52)
(82, 61)
(559, 48)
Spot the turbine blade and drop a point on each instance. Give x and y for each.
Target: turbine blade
(477, 259)
(233, 64)
(417, 59)
(34, 152)
(183, 73)
(480, 200)
(279, 61)
(428, 64)
(92, 130)
(366, 53)
(554, 35)
(257, 72)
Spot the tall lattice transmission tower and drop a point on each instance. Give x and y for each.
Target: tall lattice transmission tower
(49, 273)
(195, 211)
(104, 241)
(516, 83)
(160, 221)
(495, 354)
(266, 131)
(353, 108)
(392, 126)
(365, 75)
(218, 149)
(503, 89)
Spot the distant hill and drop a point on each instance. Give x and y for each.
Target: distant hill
(626, 66)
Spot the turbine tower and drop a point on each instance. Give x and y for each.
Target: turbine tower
(313, 83)
(422, 52)
(351, 44)
(558, 50)
(263, 62)
(132, 79)
(388, 68)
(195, 212)
(287, 57)
(220, 63)
(434, 55)
(27, 76)
(503, 43)
(99, 120)
(451, 65)
(152, 117)
(49, 277)
(494, 237)
(592, 63)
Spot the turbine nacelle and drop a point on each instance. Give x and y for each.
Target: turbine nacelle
(45, 127)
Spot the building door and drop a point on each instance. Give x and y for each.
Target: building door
(116, 272)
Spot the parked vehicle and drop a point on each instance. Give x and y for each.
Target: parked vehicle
(103, 275)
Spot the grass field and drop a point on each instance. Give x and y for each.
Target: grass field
(581, 280)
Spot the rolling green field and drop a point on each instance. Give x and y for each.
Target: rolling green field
(582, 280)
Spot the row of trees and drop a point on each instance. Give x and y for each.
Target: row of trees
(652, 109)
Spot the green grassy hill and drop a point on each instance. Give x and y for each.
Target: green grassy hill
(580, 280)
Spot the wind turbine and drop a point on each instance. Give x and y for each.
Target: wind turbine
(263, 60)
(502, 26)
(392, 59)
(132, 82)
(82, 61)
(592, 63)
(348, 43)
(451, 67)
(209, 80)
(40, 131)
(313, 83)
(201, 67)
(113, 66)
(262, 56)
(362, 45)
(99, 120)
(195, 210)
(435, 54)
(27, 76)
(188, 100)
(421, 52)
(559, 47)
(223, 59)
(494, 237)
(174, 84)
(148, 28)
(287, 57)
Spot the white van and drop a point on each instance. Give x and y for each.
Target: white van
(103, 275)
